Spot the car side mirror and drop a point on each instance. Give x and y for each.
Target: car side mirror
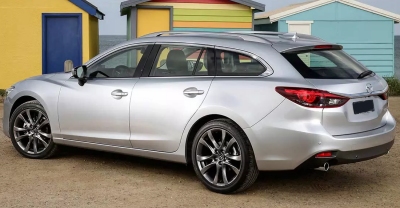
(80, 73)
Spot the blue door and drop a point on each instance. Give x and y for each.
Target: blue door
(62, 40)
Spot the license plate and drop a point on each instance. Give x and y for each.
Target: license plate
(363, 106)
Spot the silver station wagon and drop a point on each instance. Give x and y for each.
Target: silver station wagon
(228, 104)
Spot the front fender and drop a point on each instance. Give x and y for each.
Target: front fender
(44, 91)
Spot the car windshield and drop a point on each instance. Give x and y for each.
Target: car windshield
(325, 64)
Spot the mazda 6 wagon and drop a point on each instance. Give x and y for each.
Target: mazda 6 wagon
(228, 104)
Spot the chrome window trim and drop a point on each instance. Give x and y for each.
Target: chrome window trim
(178, 77)
(269, 70)
(115, 50)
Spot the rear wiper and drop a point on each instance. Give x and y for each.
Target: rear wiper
(364, 74)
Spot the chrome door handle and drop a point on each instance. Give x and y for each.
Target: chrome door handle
(118, 94)
(192, 92)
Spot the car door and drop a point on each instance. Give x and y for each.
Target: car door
(98, 111)
(168, 94)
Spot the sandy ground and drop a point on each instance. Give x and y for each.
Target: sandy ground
(84, 178)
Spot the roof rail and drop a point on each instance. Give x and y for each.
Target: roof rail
(243, 36)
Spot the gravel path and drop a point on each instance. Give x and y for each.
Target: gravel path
(84, 178)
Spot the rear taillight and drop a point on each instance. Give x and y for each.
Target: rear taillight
(385, 95)
(311, 97)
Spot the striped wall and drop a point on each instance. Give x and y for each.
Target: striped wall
(207, 15)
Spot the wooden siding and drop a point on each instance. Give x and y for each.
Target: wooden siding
(159, 21)
(213, 24)
(207, 15)
(212, 12)
(199, 6)
(182, 29)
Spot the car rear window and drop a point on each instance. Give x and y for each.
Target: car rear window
(325, 64)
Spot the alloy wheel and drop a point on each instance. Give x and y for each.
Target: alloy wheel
(32, 131)
(218, 157)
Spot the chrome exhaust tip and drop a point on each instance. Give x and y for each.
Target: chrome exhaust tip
(325, 167)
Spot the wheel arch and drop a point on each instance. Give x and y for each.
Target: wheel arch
(21, 100)
(197, 123)
(25, 96)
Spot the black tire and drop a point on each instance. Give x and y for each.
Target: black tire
(46, 152)
(248, 172)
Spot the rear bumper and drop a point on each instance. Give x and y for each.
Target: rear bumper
(345, 157)
(287, 141)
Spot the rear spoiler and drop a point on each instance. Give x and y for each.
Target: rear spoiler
(313, 48)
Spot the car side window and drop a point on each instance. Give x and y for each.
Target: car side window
(121, 64)
(174, 60)
(231, 63)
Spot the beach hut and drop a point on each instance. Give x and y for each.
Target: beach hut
(146, 17)
(366, 32)
(38, 36)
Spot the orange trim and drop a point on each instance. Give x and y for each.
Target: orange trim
(213, 24)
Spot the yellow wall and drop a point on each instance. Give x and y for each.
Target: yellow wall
(21, 36)
(152, 20)
(93, 37)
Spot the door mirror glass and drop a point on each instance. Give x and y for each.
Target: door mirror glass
(80, 73)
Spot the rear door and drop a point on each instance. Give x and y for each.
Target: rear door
(336, 72)
(168, 94)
